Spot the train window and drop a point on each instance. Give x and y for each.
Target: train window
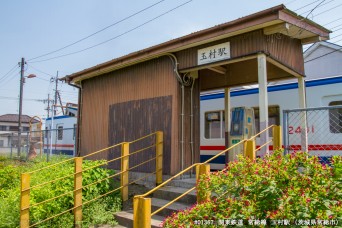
(335, 118)
(60, 132)
(273, 117)
(214, 125)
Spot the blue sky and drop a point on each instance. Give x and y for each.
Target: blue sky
(36, 27)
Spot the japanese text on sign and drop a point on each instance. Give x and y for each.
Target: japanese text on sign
(213, 53)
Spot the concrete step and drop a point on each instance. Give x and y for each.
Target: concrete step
(183, 183)
(125, 219)
(176, 206)
(171, 192)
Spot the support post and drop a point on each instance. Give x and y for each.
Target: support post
(141, 212)
(202, 194)
(263, 102)
(277, 138)
(227, 107)
(11, 145)
(20, 103)
(25, 200)
(78, 192)
(159, 157)
(124, 170)
(249, 149)
(302, 105)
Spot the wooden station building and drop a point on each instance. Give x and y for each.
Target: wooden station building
(159, 88)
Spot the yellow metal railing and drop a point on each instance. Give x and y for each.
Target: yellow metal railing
(142, 206)
(77, 191)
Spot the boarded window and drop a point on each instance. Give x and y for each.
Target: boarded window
(335, 117)
(273, 117)
(214, 125)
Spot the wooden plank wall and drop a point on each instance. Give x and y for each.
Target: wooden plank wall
(132, 86)
(282, 48)
(154, 78)
(130, 120)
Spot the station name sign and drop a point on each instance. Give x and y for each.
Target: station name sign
(213, 54)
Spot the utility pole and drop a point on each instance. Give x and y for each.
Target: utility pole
(48, 107)
(56, 91)
(20, 102)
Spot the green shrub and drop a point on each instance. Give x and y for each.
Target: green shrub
(289, 187)
(100, 211)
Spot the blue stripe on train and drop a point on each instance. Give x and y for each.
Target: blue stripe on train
(57, 151)
(293, 85)
(218, 160)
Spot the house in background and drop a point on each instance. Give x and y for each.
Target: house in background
(9, 129)
(322, 60)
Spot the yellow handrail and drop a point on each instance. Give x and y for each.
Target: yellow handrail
(190, 167)
(99, 151)
(171, 202)
(25, 189)
(50, 166)
(187, 169)
(262, 132)
(260, 147)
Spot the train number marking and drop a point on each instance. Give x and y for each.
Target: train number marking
(298, 130)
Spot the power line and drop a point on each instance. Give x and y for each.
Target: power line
(307, 5)
(124, 33)
(336, 26)
(333, 21)
(9, 78)
(328, 10)
(323, 55)
(310, 11)
(2, 77)
(101, 30)
(16, 98)
(319, 5)
(290, 2)
(40, 70)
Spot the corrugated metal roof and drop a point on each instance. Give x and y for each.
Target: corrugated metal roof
(186, 41)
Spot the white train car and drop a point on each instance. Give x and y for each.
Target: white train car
(61, 139)
(320, 92)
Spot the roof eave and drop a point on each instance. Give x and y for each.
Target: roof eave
(268, 17)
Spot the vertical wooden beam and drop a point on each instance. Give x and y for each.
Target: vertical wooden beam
(78, 192)
(277, 138)
(302, 105)
(202, 194)
(124, 170)
(227, 120)
(263, 101)
(25, 200)
(141, 212)
(159, 157)
(249, 149)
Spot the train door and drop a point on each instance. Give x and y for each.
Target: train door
(59, 138)
(242, 127)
